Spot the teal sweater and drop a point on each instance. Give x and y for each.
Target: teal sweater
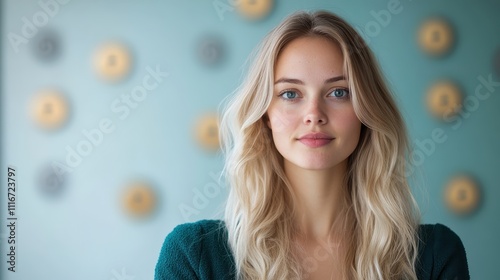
(200, 251)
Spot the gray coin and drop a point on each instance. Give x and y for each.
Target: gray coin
(211, 51)
(52, 179)
(46, 46)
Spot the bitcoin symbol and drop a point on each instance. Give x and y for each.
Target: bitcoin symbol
(212, 131)
(462, 195)
(112, 60)
(45, 46)
(48, 108)
(444, 100)
(138, 198)
(435, 36)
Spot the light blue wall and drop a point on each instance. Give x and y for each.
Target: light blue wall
(84, 234)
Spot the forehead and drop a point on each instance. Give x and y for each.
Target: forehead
(310, 55)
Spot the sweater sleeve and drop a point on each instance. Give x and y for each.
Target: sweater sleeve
(442, 255)
(180, 254)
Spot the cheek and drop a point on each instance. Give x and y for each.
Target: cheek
(349, 124)
(281, 119)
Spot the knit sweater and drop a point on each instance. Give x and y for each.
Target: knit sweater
(201, 251)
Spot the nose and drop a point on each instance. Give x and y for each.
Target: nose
(315, 114)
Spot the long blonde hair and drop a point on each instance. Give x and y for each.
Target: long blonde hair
(383, 242)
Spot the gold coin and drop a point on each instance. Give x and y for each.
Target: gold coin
(139, 199)
(254, 9)
(207, 131)
(436, 36)
(49, 109)
(113, 62)
(462, 195)
(444, 99)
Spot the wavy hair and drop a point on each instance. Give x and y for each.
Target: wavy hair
(383, 240)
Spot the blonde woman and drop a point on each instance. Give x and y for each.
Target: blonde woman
(315, 153)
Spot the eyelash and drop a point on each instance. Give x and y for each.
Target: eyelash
(347, 95)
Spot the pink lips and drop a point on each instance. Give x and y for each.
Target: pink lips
(315, 140)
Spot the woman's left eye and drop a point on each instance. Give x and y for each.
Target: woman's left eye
(289, 95)
(340, 93)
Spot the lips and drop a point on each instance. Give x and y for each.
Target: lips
(315, 140)
(316, 135)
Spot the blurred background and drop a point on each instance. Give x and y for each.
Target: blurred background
(109, 121)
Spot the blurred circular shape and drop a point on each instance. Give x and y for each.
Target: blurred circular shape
(50, 109)
(139, 199)
(444, 99)
(255, 9)
(46, 45)
(436, 36)
(211, 51)
(113, 62)
(51, 180)
(462, 195)
(207, 131)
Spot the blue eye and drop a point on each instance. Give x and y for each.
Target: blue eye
(288, 95)
(340, 93)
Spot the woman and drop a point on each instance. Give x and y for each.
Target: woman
(315, 159)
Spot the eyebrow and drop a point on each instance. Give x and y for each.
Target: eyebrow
(299, 82)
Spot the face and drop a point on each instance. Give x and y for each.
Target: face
(311, 115)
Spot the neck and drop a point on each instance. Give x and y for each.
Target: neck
(320, 197)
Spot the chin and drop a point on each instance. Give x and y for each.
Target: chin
(317, 163)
